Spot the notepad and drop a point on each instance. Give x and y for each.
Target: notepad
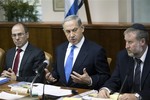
(4, 80)
(20, 87)
(71, 98)
(9, 96)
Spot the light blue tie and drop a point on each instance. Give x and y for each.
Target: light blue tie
(69, 63)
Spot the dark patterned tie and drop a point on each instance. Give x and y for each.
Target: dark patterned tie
(69, 63)
(137, 76)
(15, 68)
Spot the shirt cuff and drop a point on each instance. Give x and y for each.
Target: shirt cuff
(106, 89)
(138, 96)
(90, 82)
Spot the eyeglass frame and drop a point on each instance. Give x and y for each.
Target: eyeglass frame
(18, 34)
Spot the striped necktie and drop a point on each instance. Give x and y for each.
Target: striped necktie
(137, 76)
(16, 62)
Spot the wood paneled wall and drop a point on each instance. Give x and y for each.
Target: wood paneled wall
(48, 36)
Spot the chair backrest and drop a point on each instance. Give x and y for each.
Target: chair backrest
(2, 56)
(109, 60)
(48, 57)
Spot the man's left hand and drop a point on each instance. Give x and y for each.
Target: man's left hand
(128, 96)
(9, 73)
(83, 79)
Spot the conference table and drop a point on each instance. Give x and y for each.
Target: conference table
(5, 88)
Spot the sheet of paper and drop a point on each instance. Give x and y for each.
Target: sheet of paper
(114, 96)
(9, 96)
(50, 90)
(70, 98)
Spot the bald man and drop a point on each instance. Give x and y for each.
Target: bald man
(30, 57)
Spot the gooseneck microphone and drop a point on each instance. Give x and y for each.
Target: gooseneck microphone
(122, 86)
(38, 71)
(41, 68)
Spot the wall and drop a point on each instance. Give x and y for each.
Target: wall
(124, 11)
(48, 36)
(141, 11)
(101, 11)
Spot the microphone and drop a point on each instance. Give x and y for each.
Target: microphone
(40, 69)
(122, 86)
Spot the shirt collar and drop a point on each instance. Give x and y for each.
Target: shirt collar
(23, 47)
(144, 55)
(78, 45)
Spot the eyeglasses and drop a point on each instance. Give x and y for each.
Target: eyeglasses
(18, 34)
(73, 30)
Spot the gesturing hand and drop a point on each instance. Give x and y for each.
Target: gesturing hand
(49, 76)
(83, 79)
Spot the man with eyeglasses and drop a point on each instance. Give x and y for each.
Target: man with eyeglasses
(21, 66)
(89, 67)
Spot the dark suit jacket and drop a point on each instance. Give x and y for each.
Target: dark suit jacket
(31, 60)
(125, 66)
(92, 57)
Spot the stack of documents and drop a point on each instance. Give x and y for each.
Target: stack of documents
(20, 87)
(9, 96)
(4, 80)
(49, 90)
(39, 89)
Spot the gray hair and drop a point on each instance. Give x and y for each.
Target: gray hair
(73, 17)
(140, 34)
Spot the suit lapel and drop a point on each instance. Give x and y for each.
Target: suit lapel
(131, 72)
(146, 68)
(81, 56)
(12, 56)
(61, 61)
(27, 53)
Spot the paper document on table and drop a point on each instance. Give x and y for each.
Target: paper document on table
(9, 96)
(112, 97)
(50, 90)
(71, 98)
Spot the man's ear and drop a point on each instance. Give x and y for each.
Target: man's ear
(143, 41)
(82, 27)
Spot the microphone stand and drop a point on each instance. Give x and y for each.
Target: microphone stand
(46, 63)
(31, 86)
(122, 86)
(43, 95)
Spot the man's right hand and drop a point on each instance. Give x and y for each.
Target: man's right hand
(103, 93)
(49, 76)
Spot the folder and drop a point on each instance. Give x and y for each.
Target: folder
(4, 80)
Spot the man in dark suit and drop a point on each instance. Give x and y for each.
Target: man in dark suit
(90, 67)
(30, 57)
(124, 78)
